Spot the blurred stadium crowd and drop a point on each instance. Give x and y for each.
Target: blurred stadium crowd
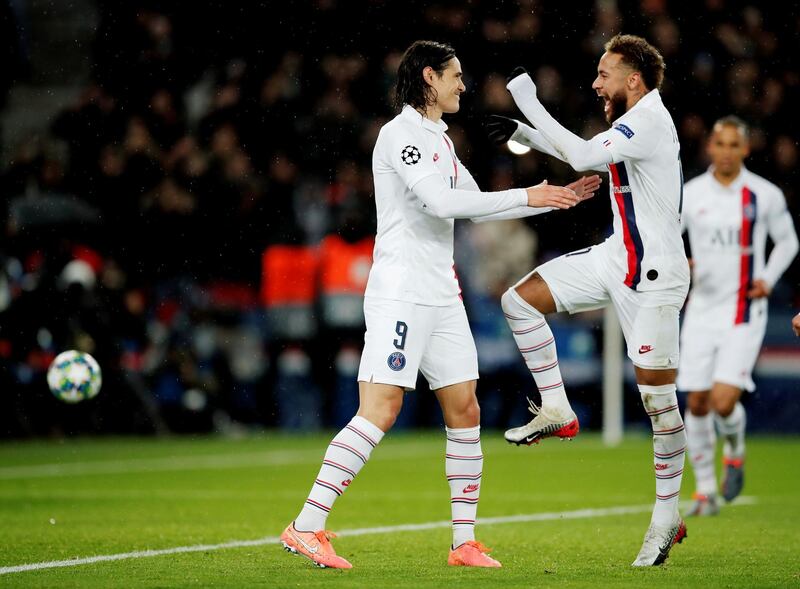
(201, 219)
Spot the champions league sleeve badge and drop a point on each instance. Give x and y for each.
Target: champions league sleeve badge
(396, 361)
(410, 155)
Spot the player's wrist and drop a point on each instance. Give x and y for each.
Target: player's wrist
(522, 86)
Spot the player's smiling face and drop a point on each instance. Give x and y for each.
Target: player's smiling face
(448, 87)
(611, 84)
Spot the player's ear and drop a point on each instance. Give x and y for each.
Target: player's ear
(427, 74)
(634, 79)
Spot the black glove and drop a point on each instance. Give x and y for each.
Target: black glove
(500, 128)
(517, 71)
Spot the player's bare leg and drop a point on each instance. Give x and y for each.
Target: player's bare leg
(701, 441)
(657, 388)
(348, 452)
(464, 467)
(379, 403)
(731, 421)
(525, 306)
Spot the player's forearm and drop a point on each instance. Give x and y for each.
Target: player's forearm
(445, 203)
(529, 136)
(515, 213)
(579, 153)
(781, 257)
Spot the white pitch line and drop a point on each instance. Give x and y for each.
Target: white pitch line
(506, 519)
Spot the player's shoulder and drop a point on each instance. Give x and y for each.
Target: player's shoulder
(641, 124)
(699, 182)
(698, 189)
(762, 186)
(400, 128)
(633, 122)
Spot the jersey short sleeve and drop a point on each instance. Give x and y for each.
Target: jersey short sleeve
(407, 153)
(635, 136)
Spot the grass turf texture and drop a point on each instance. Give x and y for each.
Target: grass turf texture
(109, 496)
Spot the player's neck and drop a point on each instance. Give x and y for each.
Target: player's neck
(431, 112)
(634, 97)
(726, 179)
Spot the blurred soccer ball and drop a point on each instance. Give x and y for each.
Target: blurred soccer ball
(74, 376)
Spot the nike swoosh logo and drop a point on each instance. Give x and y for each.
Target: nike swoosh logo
(306, 546)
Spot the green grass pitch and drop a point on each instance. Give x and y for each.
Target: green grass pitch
(91, 497)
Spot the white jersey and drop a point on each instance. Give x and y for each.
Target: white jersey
(413, 256)
(642, 154)
(728, 228)
(646, 192)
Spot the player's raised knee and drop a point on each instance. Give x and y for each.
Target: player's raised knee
(507, 301)
(699, 403)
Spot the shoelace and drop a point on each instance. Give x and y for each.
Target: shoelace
(651, 537)
(477, 545)
(533, 408)
(324, 536)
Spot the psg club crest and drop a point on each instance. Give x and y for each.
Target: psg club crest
(410, 155)
(749, 212)
(396, 361)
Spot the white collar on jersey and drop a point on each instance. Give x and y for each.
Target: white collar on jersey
(737, 183)
(652, 97)
(412, 114)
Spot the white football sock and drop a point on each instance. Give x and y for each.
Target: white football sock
(537, 345)
(346, 454)
(701, 443)
(731, 429)
(463, 466)
(669, 448)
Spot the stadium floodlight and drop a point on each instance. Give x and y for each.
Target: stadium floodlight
(518, 148)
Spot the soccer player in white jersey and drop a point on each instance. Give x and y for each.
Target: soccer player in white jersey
(728, 213)
(641, 269)
(414, 314)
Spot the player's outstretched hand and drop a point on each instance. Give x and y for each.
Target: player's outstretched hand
(796, 325)
(760, 289)
(585, 187)
(545, 195)
(501, 129)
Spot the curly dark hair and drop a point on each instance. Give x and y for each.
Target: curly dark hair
(411, 87)
(637, 53)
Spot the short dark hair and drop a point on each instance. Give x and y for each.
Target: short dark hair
(411, 87)
(637, 53)
(733, 121)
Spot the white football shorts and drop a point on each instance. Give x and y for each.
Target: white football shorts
(715, 351)
(403, 338)
(582, 281)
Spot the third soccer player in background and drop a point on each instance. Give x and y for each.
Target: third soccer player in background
(728, 213)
